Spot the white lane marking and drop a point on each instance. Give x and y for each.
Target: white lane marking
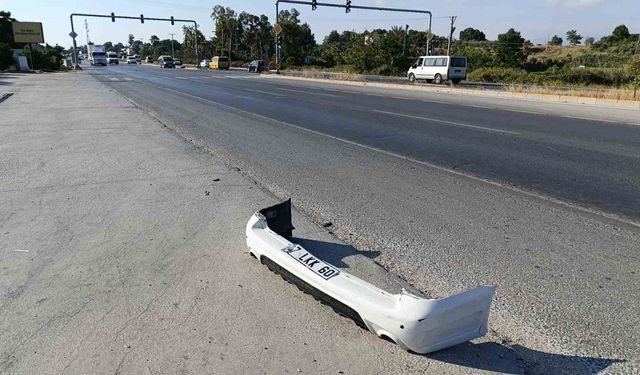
(478, 106)
(308, 92)
(265, 92)
(447, 122)
(413, 160)
(21, 251)
(520, 111)
(178, 77)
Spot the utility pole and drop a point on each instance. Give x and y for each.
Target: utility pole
(86, 29)
(451, 30)
(404, 43)
(172, 51)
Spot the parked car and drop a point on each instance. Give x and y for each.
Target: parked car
(438, 69)
(149, 60)
(166, 61)
(257, 66)
(131, 60)
(205, 63)
(177, 62)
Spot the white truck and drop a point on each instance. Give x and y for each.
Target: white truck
(97, 54)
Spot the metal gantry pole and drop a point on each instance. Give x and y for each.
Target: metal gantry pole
(75, 46)
(195, 29)
(277, 41)
(113, 16)
(382, 9)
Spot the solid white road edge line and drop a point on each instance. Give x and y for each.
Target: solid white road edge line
(417, 161)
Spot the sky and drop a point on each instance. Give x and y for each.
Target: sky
(537, 20)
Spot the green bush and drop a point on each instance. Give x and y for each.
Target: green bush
(554, 76)
(48, 59)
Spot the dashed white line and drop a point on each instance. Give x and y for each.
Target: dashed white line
(265, 92)
(308, 92)
(447, 122)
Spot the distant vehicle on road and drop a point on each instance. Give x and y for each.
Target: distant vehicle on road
(219, 62)
(131, 60)
(138, 59)
(97, 55)
(177, 62)
(257, 66)
(166, 61)
(438, 69)
(112, 58)
(149, 59)
(205, 63)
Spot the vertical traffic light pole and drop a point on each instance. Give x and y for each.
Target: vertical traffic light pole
(142, 18)
(347, 7)
(277, 42)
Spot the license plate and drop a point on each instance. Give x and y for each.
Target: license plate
(320, 268)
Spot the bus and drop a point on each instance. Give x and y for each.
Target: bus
(219, 62)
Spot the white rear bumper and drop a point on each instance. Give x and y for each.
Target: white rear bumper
(415, 323)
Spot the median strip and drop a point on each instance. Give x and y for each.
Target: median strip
(447, 122)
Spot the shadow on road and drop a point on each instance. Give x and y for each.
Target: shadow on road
(517, 359)
(488, 356)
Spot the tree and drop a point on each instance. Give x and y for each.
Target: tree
(621, 33)
(555, 41)
(153, 40)
(227, 28)
(589, 41)
(6, 31)
(188, 46)
(634, 71)
(297, 41)
(573, 37)
(6, 57)
(472, 34)
(131, 39)
(510, 49)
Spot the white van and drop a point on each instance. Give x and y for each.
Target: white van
(112, 58)
(438, 69)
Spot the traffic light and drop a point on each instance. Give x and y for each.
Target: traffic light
(430, 50)
(314, 4)
(142, 18)
(172, 20)
(113, 17)
(347, 8)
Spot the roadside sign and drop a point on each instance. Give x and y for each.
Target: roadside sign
(27, 32)
(429, 36)
(277, 28)
(73, 34)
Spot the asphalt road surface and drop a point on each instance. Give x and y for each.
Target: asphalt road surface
(448, 191)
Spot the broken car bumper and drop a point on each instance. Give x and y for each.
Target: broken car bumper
(413, 322)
